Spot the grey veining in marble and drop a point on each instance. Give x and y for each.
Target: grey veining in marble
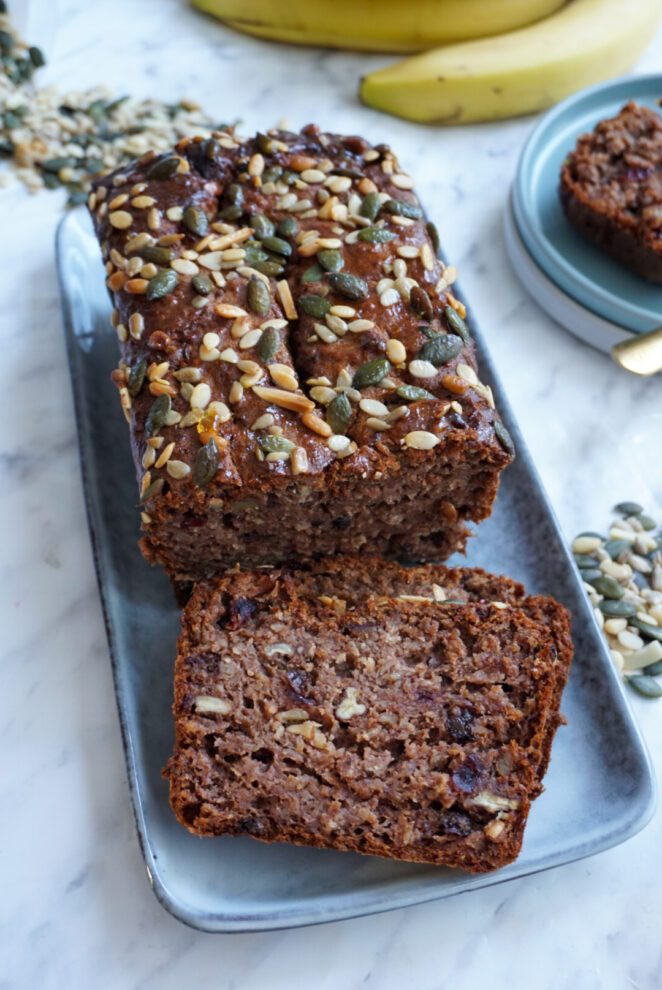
(76, 910)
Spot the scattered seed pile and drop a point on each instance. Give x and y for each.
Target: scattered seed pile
(55, 139)
(622, 575)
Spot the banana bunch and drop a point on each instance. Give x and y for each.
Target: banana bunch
(378, 25)
(526, 70)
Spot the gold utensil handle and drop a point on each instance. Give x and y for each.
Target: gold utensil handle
(641, 354)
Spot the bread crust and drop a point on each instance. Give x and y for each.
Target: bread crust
(394, 724)
(291, 431)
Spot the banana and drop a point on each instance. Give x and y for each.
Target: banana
(377, 25)
(518, 73)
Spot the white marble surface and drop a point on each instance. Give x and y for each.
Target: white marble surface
(76, 909)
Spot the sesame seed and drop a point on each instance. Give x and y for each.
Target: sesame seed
(177, 469)
(467, 373)
(250, 339)
(229, 312)
(184, 267)
(316, 424)
(165, 455)
(283, 377)
(373, 407)
(299, 459)
(396, 351)
(120, 219)
(422, 369)
(390, 297)
(236, 393)
(200, 396)
(421, 440)
(338, 443)
(402, 181)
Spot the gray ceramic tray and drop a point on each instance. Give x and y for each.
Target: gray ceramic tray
(599, 790)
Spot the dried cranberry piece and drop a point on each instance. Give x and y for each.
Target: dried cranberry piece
(237, 612)
(455, 823)
(467, 775)
(459, 725)
(299, 687)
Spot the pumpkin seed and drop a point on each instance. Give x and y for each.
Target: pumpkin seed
(504, 437)
(136, 377)
(231, 212)
(262, 226)
(162, 284)
(617, 610)
(412, 393)
(257, 296)
(272, 174)
(654, 669)
(645, 685)
(629, 508)
(648, 630)
(313, 274)
(585, 561)
(152, 490)
(375, 235)
(350, 286)
(616, 547)
(195, 220)
(157, 414)
(288, 227)
(202, 285)
(591, 574)
(57, 164)
(234, 194)
(456, 324)
(317, 306)
(441, 349)
(274, 444)
(205, 464)
(36, 57)
(421, 302)
(271, 268)
(277, 246)
(606, 585)
(339, 413)
(646, 521)
(253, 253)
(268, 344)
(330, 260)
(591, 534)
(401, 208)
(433, 234)
(370, 206)
(163, 168)
(157, 255)
(371, 373)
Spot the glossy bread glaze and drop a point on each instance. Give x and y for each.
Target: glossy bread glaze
(298, 376)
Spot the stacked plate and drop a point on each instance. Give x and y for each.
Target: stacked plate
(594, 297)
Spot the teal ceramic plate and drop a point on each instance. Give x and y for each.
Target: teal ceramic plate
(581, 270)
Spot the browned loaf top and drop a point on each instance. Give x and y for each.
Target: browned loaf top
(407, 727)
(611, 188)
(298, 376)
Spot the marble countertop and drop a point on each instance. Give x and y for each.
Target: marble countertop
(76, 909)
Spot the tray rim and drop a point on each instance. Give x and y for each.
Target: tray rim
(380, 899)
(582, 288)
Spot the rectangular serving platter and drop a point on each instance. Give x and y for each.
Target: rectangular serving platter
(599, 789)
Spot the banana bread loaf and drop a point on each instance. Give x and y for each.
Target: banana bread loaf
(414, 725)
(611, 189)
(297, 374)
